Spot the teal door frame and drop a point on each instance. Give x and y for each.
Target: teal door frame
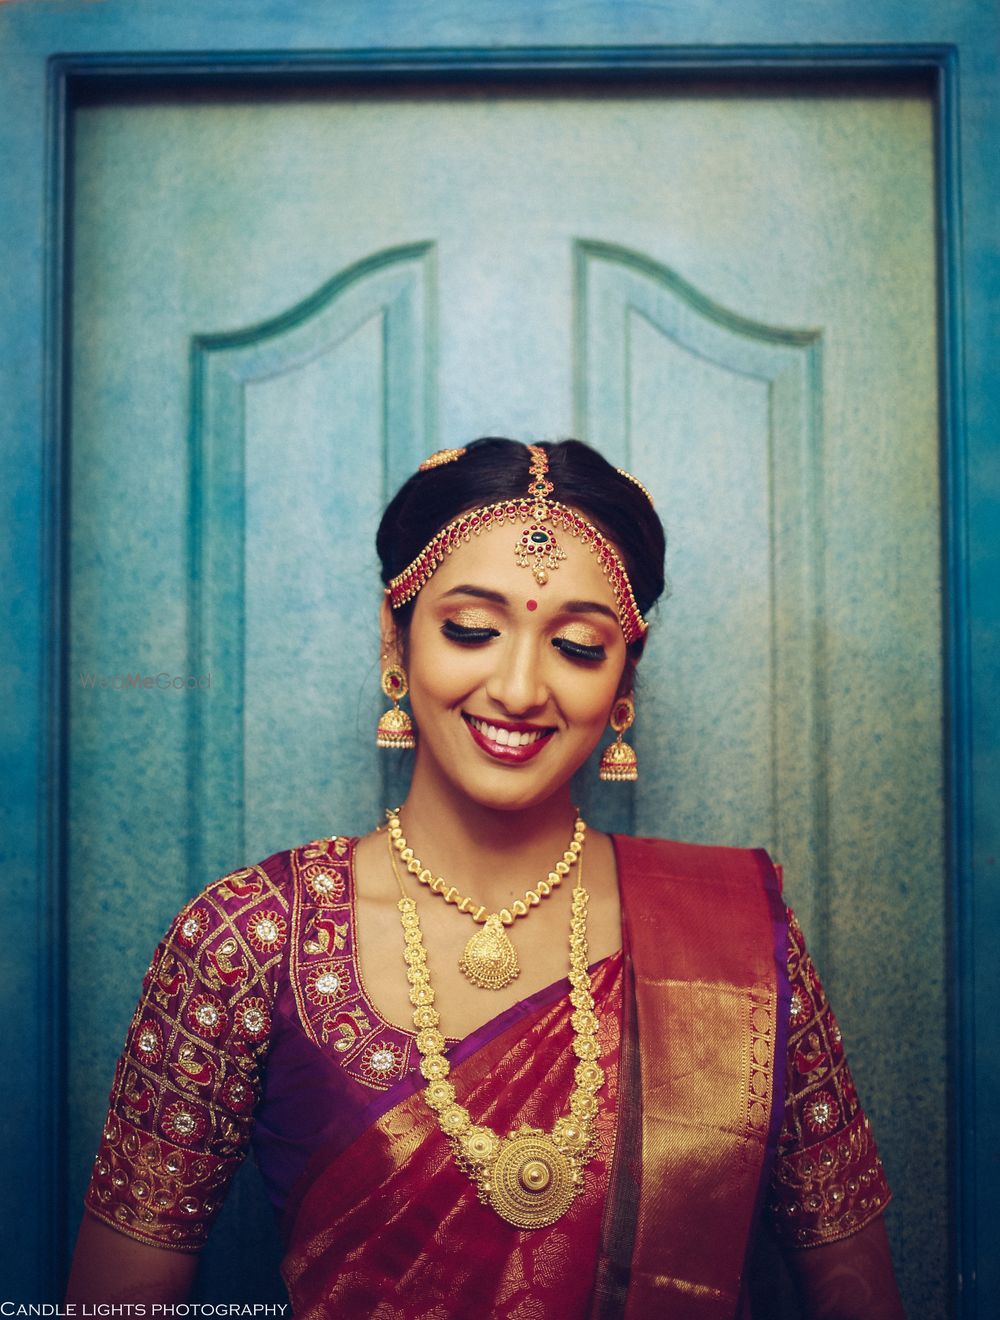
(53, 53)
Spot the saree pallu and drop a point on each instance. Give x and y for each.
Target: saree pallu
(706, 933)
(693, 1010)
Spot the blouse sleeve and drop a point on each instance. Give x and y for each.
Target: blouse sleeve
(828, 1180)
(190, 1075)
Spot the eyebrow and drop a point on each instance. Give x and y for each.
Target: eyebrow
(498, 598)
(588, 607)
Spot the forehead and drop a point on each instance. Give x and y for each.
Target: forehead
(490, 560)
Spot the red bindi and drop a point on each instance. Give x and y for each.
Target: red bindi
(532, 604)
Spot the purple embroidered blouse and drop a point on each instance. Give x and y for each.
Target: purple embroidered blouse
(255, 1025)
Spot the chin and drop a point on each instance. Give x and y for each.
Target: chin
(509, 788)
(519, 798)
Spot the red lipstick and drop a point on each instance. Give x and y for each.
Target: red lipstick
(525, 751)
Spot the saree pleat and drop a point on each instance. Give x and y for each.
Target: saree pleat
(614, 1261)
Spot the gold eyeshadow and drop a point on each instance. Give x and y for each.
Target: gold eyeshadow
(472, 618)
(581, 634)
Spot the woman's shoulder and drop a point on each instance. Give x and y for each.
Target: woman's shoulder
(256, 903)
(321, 865)
(696, 861)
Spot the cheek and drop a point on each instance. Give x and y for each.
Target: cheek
(586, 698)
(443, 674)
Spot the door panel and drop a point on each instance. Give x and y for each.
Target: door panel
(735, 460)
(300, 428)
(281, 305)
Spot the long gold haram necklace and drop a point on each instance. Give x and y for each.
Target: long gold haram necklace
(489, 959)
(530, 1177)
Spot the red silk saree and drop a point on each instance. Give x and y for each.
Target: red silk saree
(390, 1226)
(255, 1026)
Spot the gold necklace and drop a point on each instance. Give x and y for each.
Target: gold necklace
(489, 960)
(530, 1177)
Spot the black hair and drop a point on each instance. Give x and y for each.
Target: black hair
(493, 469)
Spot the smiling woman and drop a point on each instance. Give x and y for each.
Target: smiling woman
(494, 686)
(448, 1125)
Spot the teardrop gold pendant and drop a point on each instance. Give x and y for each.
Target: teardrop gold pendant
(490, 960)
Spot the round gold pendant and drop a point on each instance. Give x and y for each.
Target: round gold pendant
(490, 960)
(532, 1183)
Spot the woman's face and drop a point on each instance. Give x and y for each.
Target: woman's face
(511, 683)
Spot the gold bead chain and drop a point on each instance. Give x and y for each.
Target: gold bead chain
(519, 908)
(530, 1177)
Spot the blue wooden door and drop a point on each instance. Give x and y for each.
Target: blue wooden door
(280, 302)
(358, 337)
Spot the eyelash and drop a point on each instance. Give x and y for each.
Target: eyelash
(577, 651)
(457, 632)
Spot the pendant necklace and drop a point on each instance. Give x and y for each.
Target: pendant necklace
(530, 1177)
(489, 960)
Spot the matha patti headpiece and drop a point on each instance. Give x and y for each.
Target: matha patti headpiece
(635, 482)
(537, 548)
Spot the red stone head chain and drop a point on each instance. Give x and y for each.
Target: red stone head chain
(537, 548)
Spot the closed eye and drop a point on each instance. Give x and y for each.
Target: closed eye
(457, 632)
(577, 651)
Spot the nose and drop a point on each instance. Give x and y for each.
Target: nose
(517, 682)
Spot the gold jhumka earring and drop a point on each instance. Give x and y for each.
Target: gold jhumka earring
(618, 760)
(395, 728)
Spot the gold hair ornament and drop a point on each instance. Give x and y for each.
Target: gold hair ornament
(439, 458)
(530, 1177)
(635, 482)
(537, 548)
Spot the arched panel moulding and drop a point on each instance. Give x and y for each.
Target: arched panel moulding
(334, 393)
(727, 412)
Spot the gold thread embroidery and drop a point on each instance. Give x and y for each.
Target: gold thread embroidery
(828, 1180)
(191, 1069)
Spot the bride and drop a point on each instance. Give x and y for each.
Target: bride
(491, 1061)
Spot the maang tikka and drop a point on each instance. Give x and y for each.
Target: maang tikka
(542, 520)
(395, 728)
(619, 763)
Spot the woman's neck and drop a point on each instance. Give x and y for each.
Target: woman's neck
(495, 855)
